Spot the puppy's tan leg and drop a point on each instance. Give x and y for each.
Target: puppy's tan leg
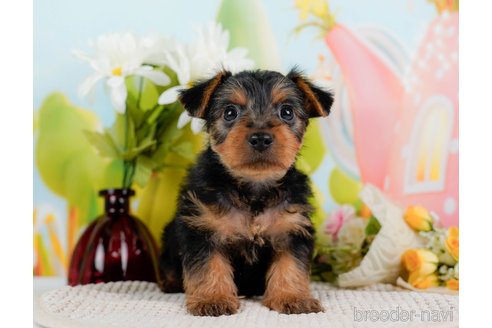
(287, 288)
(210, 289)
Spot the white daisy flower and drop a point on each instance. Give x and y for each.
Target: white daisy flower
(156, 47)
(116, 57)
(200, 60)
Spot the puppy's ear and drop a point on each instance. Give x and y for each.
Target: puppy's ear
(197, 99)
(317, 102)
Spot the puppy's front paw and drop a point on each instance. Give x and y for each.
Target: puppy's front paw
(294, 305)
(213, 307)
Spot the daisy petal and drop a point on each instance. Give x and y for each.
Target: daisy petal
(88, 85)
(157, 77)
(82, 56)
(184, 119)
(118, 93)
(170, 95)
(197, 125)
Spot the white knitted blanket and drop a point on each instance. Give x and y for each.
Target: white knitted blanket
(142, 304)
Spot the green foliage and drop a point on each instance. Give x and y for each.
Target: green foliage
(373, 226)
(332, 258)
(66, 161)
(144, 134)
(157, 200)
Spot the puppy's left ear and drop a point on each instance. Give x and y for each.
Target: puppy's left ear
(317, 102)
(197, 99)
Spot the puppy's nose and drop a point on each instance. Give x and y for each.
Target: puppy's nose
(260, 141)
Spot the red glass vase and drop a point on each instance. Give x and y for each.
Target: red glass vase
(116, 246)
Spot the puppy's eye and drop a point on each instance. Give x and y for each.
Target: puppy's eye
(286, 113)
(230, 113)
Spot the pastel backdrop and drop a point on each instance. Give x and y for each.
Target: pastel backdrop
(392, 65)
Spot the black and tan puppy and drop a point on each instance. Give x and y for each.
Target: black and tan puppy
(242, 225)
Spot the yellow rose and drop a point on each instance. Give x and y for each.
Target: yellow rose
(418, 218)
(453, 242)
(423, 281)
(453, 284)
(420, 261)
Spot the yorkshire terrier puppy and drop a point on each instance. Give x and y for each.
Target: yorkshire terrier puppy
(243, 224)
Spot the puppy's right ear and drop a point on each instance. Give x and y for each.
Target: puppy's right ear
(197, 99)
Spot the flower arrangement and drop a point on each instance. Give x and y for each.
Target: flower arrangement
(437, 262)
(143, 77)
(377, 241)
(344, 239)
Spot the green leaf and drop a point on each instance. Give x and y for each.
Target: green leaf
(103, 143)
(154, 115)
(149, 96)
(168, 136)
(123, 132)
(373, 226)
(68, 163)
(111, 175)
(143, 170)
(136, 114)
(59, 135)
(184, 149)
(134, 152)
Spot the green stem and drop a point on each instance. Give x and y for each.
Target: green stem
(130, 173)
(140, 89)
(129, 165)
(125, 162)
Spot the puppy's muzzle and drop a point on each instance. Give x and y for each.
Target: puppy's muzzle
(260, 141)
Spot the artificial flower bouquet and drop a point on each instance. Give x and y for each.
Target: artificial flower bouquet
(379, 242)
(345, 238)
(437, 262)
(359, 248)
(143, 77)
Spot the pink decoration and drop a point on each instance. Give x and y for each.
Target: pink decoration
(375, 93)
(423, 166)
(406, 139)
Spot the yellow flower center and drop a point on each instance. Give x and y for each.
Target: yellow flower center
(118, 71)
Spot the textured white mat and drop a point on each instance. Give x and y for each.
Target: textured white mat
(143, 305)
